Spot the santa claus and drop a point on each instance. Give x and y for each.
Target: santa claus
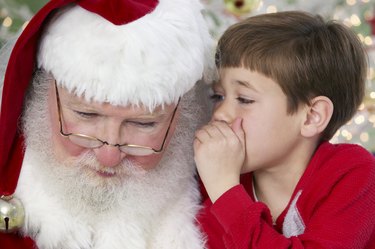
(98, 113)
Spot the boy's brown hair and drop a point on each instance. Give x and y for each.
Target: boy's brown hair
(305, 55)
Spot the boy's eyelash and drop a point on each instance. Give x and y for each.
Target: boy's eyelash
(216, 97)
(245, 101)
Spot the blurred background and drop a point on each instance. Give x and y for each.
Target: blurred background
(357, 14)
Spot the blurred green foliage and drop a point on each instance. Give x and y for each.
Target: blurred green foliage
(14, 13)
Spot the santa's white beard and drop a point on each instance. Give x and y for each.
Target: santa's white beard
(133, 194)
(78, 182)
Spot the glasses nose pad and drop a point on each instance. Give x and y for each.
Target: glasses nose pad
(111, 145)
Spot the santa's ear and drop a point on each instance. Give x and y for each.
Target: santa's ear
(318, 115)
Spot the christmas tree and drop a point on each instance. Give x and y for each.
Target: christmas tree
(357, 14)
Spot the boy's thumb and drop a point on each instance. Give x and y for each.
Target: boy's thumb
(237, 128)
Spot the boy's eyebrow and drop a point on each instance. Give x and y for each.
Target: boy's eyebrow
(246, 84)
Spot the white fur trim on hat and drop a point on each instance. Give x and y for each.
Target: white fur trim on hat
(151, 61)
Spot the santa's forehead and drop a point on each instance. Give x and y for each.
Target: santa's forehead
(73, 100)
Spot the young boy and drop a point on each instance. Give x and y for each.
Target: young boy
(288, 81)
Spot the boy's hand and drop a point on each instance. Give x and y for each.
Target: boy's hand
(219, 156)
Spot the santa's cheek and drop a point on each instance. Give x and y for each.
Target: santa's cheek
(147, 162)
(65, 148)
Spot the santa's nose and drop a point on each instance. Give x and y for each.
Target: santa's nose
(109, 155)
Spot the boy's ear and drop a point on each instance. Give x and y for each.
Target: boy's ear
(318, 115)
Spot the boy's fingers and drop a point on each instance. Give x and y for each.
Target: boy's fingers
(223, 128)
(202, 135)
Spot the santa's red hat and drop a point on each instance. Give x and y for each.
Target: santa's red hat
(120, 51)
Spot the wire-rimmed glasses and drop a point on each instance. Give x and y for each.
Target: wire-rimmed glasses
(93, 142)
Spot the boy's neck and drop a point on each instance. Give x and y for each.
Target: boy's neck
(275, 185)
(275, 192)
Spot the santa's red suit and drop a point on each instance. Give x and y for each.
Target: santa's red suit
(153, 53)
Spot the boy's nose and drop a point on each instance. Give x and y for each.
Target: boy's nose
(223, 112)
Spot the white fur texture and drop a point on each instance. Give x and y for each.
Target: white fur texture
(155, 210)
(151, 61)
(160, 219)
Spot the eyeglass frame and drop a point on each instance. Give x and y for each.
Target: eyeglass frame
(67, 135)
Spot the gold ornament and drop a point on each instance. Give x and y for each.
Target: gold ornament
(241, 7)
(12, 214)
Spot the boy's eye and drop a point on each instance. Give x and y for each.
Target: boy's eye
(216, 97)
(245, 101)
